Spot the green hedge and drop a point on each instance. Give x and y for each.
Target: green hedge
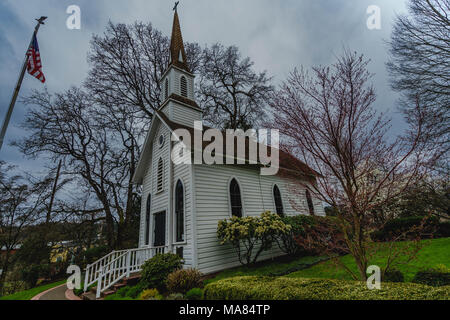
(266, 288)
(395, 227)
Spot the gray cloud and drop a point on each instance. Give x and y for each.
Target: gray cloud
(277, 35)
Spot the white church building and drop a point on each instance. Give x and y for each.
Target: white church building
(183, 203)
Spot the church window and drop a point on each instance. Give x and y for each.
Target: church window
(310, 202)
(278, 201)
(235, 199)
(160, 175)
(147, 220)
(179, 211)
(183, 86)
(166, 94)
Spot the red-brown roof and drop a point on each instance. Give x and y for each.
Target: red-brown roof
(287, 161)
(177, 46)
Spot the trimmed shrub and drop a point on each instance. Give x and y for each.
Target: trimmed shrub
(393, 276)
(286, 241)
(266, 288)
(123, 291)
(175, 296)
(444, 229)
(194, 294)
(250, 236)
(322, 236)
(181, 281)
(134, 292)
(435, 277)
(396, 227)
(150, 294)
(155, 271)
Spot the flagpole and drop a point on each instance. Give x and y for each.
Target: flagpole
(18, 85)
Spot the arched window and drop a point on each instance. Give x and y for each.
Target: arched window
(278, 201)
(147, 220)
(166, 89)
(159, 178)
(235, 199)
(183, 86)
(310, 202)
(179, 211)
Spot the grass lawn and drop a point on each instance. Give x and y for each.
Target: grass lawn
(277, 267)
(433, 253)
(28, 294)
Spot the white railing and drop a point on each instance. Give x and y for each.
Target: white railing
(93, 270)
(117, 265)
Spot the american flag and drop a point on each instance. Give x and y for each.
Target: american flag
(34, 64)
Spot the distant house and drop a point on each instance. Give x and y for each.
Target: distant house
(63, 251)
(13, 251)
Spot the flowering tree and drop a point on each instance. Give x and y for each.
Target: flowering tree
(329, 121)
(250, 234)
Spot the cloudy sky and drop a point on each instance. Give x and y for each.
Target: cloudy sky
(277, 34)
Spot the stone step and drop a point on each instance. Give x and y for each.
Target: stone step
(88, 296)
(118, 286)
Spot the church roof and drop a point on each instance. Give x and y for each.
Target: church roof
(288, 162)
(177, 52)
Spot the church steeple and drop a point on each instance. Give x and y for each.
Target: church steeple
(177, 52)
(177, 83)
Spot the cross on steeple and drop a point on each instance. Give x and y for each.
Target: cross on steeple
(176, 5)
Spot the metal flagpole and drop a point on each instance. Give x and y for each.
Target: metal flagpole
(19, 84)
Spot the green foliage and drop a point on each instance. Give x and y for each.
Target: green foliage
(393, 275)
(274, 268)
(28, 294)
(122, 292)
(266, 288)
(93, 254)
(247, 234)
(194, 294)
(31, 274)
(320, 236)
(156, 270)
(433, 252)
(409, 225)
(34, 251)
(435, 277)
(150, 294)
(117, 297)
(181, 281)
(175, 296)
(286, 241)
(134, 292)
(331, 211)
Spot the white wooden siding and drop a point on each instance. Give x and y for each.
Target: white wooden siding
(212, 205)
(183, 172)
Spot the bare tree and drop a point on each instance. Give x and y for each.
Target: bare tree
(96, 145)
(420, 64)
(22, 204)
(231, 93)
(127, 63)
(330, 123)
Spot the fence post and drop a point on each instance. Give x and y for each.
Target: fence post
(86, 278)
(99, 283)
(128, 263)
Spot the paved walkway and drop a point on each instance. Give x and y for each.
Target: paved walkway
(58, 293)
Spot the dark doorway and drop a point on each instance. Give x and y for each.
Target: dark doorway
(160, 229)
